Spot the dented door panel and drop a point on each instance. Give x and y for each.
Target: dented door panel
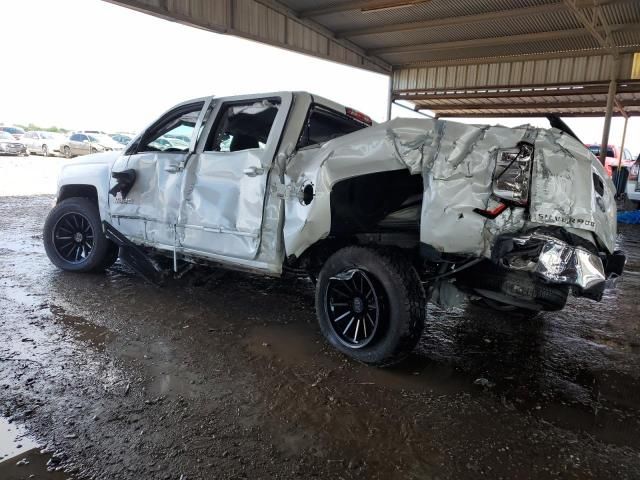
(150, 210)
(225, 191)
(222, 211)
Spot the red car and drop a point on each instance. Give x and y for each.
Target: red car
(613, 156)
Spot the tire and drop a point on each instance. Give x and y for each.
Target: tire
(383, 291)
(73, 237)
(67, 152)
(93, 150)
(45, 151)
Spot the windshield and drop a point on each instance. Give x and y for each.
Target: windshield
(100, 139)
(595, 149)
(14, 130)
(51, 135)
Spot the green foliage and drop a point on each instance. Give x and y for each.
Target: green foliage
(54, 129)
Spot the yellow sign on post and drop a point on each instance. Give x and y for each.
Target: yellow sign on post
(635, 67)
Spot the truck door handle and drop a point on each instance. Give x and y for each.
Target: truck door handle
(253, 171)
(172, 169)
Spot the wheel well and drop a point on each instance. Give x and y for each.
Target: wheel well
(86, 191)
(359, 204)
(358, 207)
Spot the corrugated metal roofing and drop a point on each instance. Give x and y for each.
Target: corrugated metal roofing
(438, 43)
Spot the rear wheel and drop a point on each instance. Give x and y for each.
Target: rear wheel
(370, 304)
(73, 237)
(45, 151)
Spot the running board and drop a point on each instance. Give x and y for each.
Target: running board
(132, 255)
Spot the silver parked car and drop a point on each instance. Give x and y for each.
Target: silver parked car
(43, 143)
(87, 143)
(10, 146)
(17, 132)
(383, 217)
(122, 138)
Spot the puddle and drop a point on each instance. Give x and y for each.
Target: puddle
(13, 440)
(20, 456)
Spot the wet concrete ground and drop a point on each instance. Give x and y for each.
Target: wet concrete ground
(224, 375)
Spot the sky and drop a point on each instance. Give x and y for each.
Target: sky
(88, 64)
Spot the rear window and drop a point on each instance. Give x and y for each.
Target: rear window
(13, 130)
(595, 149)
(324, 125)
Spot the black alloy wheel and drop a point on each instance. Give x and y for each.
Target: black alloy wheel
(73, 237)
(370, 304)
(354, 303)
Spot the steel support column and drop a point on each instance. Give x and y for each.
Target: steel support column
(611, 96)
(390, 96)
(619, 177)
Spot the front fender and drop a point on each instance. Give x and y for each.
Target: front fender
(93, 170)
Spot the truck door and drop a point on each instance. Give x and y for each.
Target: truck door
(148, 212)
(225, 181)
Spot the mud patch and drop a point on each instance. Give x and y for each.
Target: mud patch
(226, 375)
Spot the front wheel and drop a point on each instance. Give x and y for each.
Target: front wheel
(45, 151)
(370, 304)
(73, 237)
(67, 152)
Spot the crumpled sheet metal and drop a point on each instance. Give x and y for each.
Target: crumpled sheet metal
(561, 263)
(563, 191)
(457, 162)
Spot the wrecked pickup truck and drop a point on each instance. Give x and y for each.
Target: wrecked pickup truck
(381, 217)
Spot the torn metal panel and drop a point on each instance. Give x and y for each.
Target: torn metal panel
(458, 164)
(571, 189)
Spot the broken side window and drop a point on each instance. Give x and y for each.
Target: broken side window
(173, 134)
(243, 126)
(324, 124)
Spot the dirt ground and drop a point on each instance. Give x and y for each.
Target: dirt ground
(223, 375)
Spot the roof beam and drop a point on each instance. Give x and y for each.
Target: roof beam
(517, 106)
(620, 108)
(530, 91)
(452, 21)
(496, 41)
(474, 59)
(525, 114)
(591, 24)
(370, 5)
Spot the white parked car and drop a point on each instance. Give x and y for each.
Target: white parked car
(381, 217)
(43, 143)
(10, 146)
(87, 143)
(633, 185)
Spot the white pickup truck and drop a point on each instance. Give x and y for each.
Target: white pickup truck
(381, 217)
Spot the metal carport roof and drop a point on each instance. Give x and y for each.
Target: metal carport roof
(456, 58)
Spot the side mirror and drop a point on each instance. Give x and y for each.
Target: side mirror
(86, 140)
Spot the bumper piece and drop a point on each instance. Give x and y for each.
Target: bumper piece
(558, 262)
(562, 263)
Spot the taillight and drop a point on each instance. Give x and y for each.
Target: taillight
(634, 171)
(512, 175)
(361, 117)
